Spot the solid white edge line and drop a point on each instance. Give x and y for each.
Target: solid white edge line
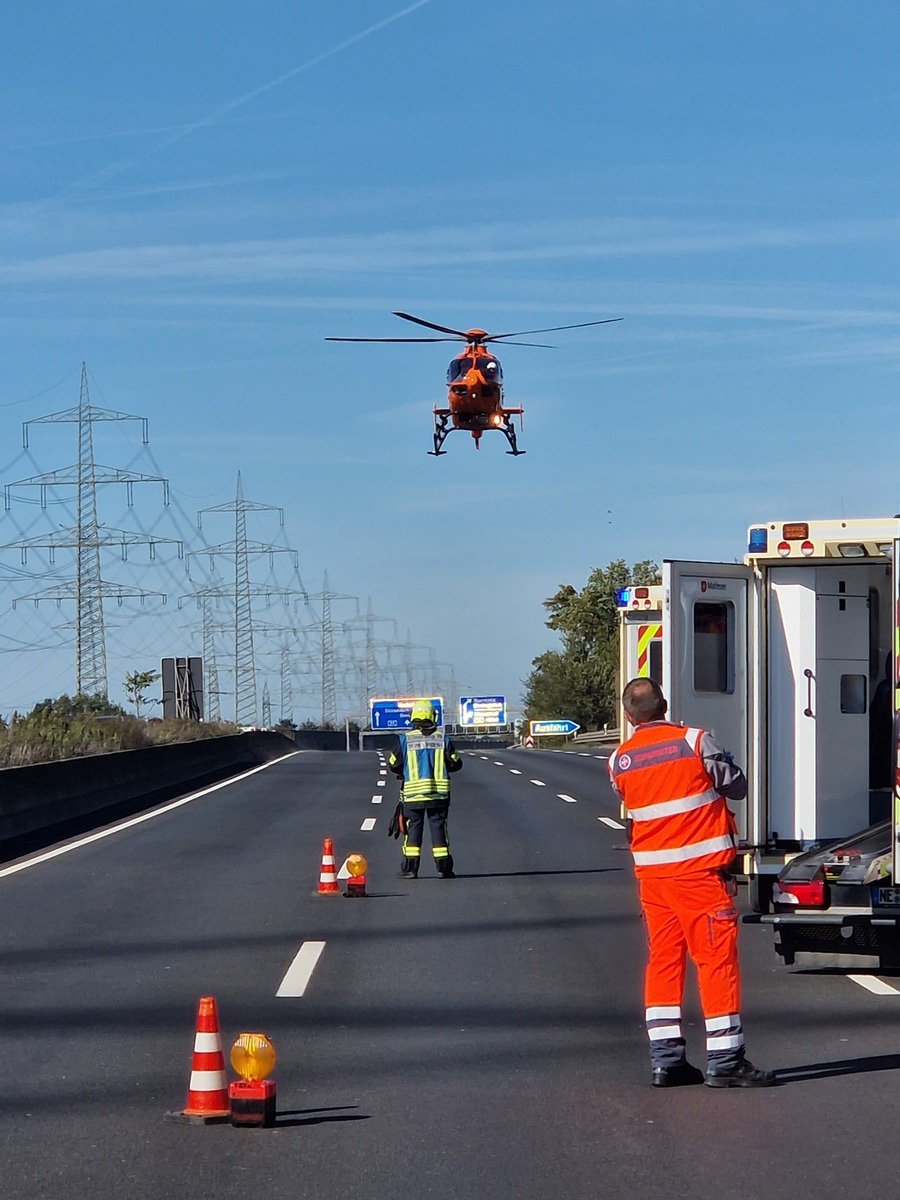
(297, 977)
(146, 816)
(368, 823)
(872, 983)
(568, 799)
(610, 822)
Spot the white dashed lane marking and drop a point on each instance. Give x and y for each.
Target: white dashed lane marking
(538, 783)
(497, 763)
(381, 783)
(368, 823)
(871, 983)
(568, 799)
(513, 771)
(377, 799)
(610, 822)
(300, 971)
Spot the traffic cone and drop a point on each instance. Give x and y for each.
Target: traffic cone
(207, 1099)
(328, 884)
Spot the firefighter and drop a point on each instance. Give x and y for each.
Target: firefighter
(673, 783)
(423, 761)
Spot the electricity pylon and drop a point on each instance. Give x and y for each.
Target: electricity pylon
(88, 537)
(325, 628)
(370, 671)
(241, 550)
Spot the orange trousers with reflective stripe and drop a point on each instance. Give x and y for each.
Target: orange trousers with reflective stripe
(691, 914)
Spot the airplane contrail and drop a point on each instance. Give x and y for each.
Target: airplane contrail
(216, 115)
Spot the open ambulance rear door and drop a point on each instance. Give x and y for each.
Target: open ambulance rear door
(709, 661)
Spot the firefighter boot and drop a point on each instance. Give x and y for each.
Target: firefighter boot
(680, 1075)
(409, 869)
(445, 867)
(743, 1074)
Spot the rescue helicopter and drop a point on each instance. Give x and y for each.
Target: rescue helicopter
(474, 380)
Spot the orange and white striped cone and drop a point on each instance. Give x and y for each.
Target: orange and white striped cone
(207, 1099)
(328, 884)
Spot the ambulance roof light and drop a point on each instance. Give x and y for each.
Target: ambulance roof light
(622, 597)
(759, 541)
(795, 531)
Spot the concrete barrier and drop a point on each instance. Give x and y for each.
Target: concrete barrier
(52, 801)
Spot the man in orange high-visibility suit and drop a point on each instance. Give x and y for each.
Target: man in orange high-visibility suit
(673, 783)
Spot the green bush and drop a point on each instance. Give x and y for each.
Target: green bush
(76, 726)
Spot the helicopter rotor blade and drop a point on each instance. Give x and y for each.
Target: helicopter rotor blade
(349, 339)
(540, 345)
(496, 337)
(431, 325)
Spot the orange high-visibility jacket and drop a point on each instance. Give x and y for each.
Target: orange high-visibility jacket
(679, 821)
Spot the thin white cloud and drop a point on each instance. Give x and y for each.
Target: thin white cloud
(211, 118)
(292, 258)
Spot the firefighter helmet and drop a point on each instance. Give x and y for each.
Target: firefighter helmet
(423, 710)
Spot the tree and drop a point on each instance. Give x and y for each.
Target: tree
(136, 684)
(579, 681)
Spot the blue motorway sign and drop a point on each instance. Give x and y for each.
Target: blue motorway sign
(394, 713)
(482, 710)
(552, 728)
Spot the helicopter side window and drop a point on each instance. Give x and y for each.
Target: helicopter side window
(458, 368)
(490, 369)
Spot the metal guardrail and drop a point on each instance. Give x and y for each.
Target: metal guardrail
(599, 738)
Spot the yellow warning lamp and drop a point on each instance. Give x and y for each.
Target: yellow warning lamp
(252, 1056)
(356, 865)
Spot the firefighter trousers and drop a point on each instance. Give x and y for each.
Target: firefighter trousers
(436, 811)
(692, 914)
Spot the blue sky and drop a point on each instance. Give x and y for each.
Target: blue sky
(195, 196)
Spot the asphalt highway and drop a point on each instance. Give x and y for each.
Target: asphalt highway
(476, 1039)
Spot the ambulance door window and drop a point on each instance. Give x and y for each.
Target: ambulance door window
(656, 660)
(853, 693)
(874, 633)
(714, 647)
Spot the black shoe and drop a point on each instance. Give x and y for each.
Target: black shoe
(679, 1076)
(407, 873)
(447, 874)
(744, 1074)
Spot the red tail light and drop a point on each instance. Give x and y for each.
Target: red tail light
(805, 894)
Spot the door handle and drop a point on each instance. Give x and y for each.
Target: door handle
(808, 712)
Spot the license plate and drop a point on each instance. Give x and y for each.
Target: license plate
(886, 897)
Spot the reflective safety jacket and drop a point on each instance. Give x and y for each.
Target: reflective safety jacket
(672, 782)
(424, 763)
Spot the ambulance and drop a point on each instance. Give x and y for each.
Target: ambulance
(640, 638)
(780, 657)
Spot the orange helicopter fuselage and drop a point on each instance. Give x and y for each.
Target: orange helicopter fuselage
(475, 387)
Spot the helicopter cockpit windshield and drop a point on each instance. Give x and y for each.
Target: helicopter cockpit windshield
(490, 368)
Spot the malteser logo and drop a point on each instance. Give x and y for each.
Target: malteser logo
(624, 761)
(712, 585)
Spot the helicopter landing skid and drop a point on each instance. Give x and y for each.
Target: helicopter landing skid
(510, 434)
(441, 430)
